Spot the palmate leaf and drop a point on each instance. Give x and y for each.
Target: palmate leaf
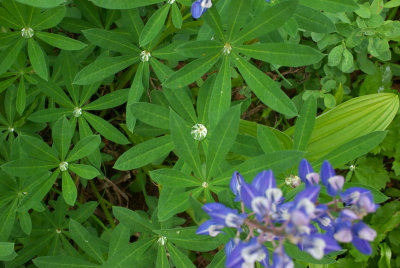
(305, 124)
(237, 16)
(42, 3)
(285, 54)
(184, 143)
(265, 88)
(313, 20)
(144, 153)
(84, 171)
(174, 178)
(268, 21)
(84, 147)
(222, 139)
(48, 19)
(179, 259)
(119, 240)
(10, 54)
(132, 220)
(38, 59)
(60, 41)
(69, 191)
(108, 101)
(154, 25)
(199, 48)
(103, 68)
(213, 19)
(162, 258)
(38, 149)
(191, 72)
(151, 114)
(333, 6)
(114, 41)
(63, 262)
(180, 100)
(62, 133)
(124, 4)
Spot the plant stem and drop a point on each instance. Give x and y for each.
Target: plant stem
(102, 204)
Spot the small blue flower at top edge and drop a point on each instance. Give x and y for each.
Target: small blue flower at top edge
(199, 7)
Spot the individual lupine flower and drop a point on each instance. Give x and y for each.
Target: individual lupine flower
(199, 7)
(317, 245)
(254, 200)
(307, 174)
(362, 235)
(333, 183)
(281, 260)
(245, 254)
(235, 184)
(360, 201)
(322, 218)
(209, 228)
(222, 215)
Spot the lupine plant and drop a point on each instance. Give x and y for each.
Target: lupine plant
(130, 131)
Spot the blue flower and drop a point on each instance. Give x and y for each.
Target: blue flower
(360, 201)
(333, 183)
(317, 245)
(245, 254)
(281, 260)
(235, 184)
(221, 215)
(199, 7)
(307, 174)
(209, 228)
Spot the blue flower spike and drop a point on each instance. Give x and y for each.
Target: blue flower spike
(270, 218)
(307, 174)
(333, 183)
(199, 7)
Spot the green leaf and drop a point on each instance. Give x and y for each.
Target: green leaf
(130, 256)
(38, 59)
(38, 149)
(176, 16)
(86, 241)
(333, 6)
(108, 101)
(185, 145)
(305, 124)
(144, 153)
(154, 25)
(212, 18)
(151, 114)
(203, 100)
(124, 4)
(174, 178)
(352, 149)
(102, 68)
(21, 96)
(49, 115)
(63, 262)
(188, 239)
(7, 250)
(27, 167)
(179, 259)
(111, 40)
(191, 72)
(220, 99)
(84, 171)
(237, 16)
(105, 128)
(60, 41)
(218, 260)
(162, 258)
(313, 20)
(199, 48)
(267, 139)
(265, 88)
(271, 19)
(132, 220)
(285, 54)
(119, 240)
(51, 89)
(42, 3)
(371, 171)
(48, 19)
(84, 211)
(9, 20)
(69, 191)
(180, 100)
(62, 133)
(7, 218)
(9, 55)
(277, 161)
(222, 139)
(84, 147)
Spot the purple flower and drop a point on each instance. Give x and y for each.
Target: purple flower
(360, 201)
(333, 183)
(281, 260)
(245, 254)
(221, 215)
(307, 174)
(235, 184)
(199, 7)
(209, 228)
(317, 245)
